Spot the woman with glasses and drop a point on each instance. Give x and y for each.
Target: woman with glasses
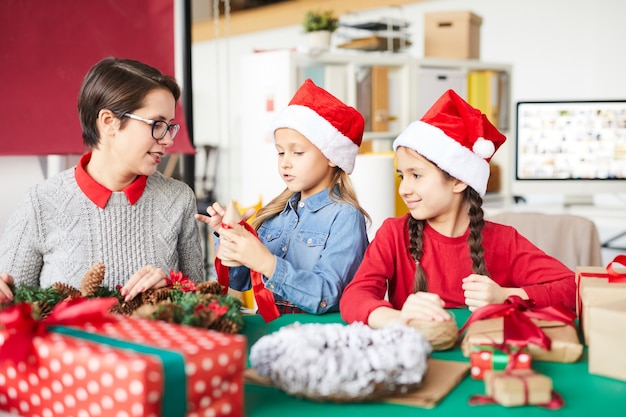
(114, 207)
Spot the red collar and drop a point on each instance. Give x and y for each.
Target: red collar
(98, 193)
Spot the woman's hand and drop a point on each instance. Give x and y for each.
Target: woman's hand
(147, 277)
(480, 290)
(424, 306)
(6, 281)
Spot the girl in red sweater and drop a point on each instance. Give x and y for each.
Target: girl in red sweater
(443, 254)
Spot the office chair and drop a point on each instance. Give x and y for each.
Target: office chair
(572, 239)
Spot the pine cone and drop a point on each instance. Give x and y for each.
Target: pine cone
(127, 307)
(225, 326)
(144, 311)
(66, 291)
(155, 295)
(206, 318)
(42, 309)
(169, 312)
(209, 287)
(92, 280)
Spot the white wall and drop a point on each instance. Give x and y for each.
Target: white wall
(559, 49)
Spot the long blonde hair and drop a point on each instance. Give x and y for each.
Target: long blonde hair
(345, 193)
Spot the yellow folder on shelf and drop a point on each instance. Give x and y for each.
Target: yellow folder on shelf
(483, 92)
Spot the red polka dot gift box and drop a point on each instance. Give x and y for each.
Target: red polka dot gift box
(82, 363)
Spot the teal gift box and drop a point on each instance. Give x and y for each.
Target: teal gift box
(126, 367)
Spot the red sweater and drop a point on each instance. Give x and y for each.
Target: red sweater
(511, 260)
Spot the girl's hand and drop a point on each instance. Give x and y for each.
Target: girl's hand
(480, 290)
(424, 306)
(147, 277)
(6, 281)
(216, 214)
(238, 244)
(214, 218)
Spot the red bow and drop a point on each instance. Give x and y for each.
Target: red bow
(615, 276)
(21, 327)
(264, 297)
(518, 328)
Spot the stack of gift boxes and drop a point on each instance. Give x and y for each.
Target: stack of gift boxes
(502, 341)
(602, 316)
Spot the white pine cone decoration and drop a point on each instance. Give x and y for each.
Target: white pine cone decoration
(335, 362)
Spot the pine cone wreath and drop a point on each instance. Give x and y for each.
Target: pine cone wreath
(92, 280)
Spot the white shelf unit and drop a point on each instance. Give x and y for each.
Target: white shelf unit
(269, 80)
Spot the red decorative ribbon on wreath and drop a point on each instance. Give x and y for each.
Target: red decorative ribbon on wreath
(264, 297)
(21, 327)
(518, 328)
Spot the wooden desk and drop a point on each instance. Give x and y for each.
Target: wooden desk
(584, 394)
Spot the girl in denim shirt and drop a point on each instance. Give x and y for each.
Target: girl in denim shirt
(311, 237)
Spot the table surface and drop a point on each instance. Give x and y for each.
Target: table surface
(584, 394)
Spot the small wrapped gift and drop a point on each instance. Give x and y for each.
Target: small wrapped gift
(597, 286)
(498, 357)
(607, 338)
(549, 332)
(518, 387)
(81, 361)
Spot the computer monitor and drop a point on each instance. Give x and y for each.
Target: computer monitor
(576, 149)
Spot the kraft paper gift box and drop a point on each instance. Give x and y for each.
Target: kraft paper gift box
(126, 367)
(607, 338)
(565, 345)
(596, 287)
(490, 357)
(518, 387)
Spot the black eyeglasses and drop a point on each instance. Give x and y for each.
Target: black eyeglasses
(159, 127)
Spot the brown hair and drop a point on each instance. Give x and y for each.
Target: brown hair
(475, 240)
(118, 85)
(345, 192)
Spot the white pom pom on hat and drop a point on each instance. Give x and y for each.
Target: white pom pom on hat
(334, 127)
(456, 137)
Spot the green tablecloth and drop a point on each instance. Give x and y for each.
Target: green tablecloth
(584, 394)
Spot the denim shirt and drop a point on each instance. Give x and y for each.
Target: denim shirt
(318, 244)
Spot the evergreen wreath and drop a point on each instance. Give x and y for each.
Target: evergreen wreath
(181, 301)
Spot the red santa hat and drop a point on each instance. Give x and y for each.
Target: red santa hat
(335, 128)
(457, 138)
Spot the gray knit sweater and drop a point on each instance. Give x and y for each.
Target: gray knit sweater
(56, 233)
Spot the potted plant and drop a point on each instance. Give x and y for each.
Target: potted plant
(319, 25)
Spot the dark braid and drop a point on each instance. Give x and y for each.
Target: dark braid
(416, 248)
(475, 240)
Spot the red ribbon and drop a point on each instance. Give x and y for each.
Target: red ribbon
(264, 297)
(556, 401)
(21, 327)
(518, 328)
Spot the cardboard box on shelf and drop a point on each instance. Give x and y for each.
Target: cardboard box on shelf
(453, 35)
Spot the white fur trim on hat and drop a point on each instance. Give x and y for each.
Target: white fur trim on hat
(448, 154)
(335, 146)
